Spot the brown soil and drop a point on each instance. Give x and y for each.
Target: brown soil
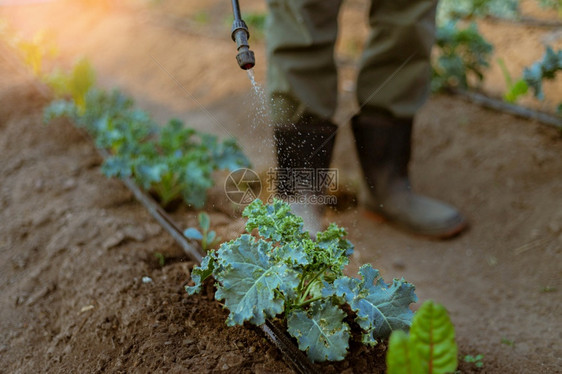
(74, 246)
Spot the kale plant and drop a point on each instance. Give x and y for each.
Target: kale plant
(283, 273)
(544, 69)
(463, 52)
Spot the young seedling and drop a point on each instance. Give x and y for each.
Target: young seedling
(160, 258)
(508, 342)
(207, 237)
(476, 360)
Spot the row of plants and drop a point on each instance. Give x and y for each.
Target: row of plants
(172, 161)
(278, 273)
(464, 54)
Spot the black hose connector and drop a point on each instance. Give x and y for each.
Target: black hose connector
(240, 35)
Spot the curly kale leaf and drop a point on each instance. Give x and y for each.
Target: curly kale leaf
(58, 109)
(200, 273)
(332, 249)
(380, 307)
(249, 280)
(320, 331)
(274, 221)
(546, 68)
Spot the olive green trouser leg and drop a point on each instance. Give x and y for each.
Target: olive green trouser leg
(301, 74)
(395, 70)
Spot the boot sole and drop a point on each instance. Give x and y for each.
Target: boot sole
(428, 234)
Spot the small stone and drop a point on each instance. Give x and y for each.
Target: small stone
(146, 280)
(252, 349)
(114, 240)
(555, 227)
(135, 233)
(39, 184)
(399, 264)
(69, 184)
(152, 229)
(173, 329)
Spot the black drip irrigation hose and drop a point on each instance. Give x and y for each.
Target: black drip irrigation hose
(527, 22)
(513, 109)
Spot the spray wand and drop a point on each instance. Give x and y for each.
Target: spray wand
(240, 35)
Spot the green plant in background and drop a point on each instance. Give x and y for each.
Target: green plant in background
(207, 237)
(430, 348)
(255, 22)
(449, 10)
(514, 89)
(534, 76)
(284, 272)
(35, 50)
(201, 17)
(507, 342)
(552, 4)
(462, 53)
(172, 161)
(544, 69)
(75, 84)
(476, 360)
(160, 258)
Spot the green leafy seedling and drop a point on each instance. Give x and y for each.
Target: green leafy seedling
(76, 84)
(160, 258)
(35, 51)
(476, 360)
(283, 272)
(430, 348)
(508, 342)
(514, 89)
(207, 237)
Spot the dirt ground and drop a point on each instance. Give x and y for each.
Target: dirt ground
(74, 246)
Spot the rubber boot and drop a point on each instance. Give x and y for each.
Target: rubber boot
(303, 149)
(384, 149)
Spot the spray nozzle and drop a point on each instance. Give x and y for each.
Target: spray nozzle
(241, 34)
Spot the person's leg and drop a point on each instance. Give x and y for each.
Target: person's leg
(302, 86)
(301, 75)
(392, 85)
(395, 68)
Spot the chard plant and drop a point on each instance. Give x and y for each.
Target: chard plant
(429, 348)
(281, 272)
